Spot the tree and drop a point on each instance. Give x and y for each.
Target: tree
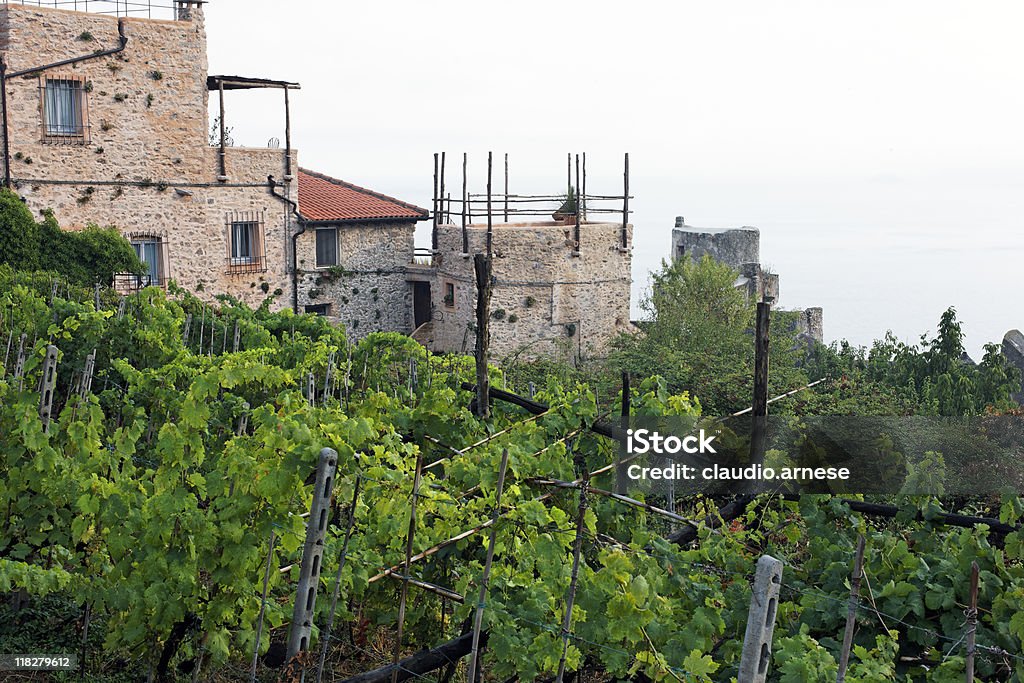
(19, 234)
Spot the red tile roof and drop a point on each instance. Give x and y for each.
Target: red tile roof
(323, 198)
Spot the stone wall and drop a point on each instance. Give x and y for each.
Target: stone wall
(368, 291)
(733, 246)
(546, 301)
(144, 164)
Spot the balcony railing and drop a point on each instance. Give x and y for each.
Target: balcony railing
(130, 283)
(246, 265)
(150, 9)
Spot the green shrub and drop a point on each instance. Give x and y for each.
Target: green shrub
(84, 257)
(19, 234)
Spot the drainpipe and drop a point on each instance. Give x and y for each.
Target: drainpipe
(4, 77)
(273, 184)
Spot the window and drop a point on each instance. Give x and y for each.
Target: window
(326, 247)
(245, 242)
(319, 309)
(150, 252)
(65, 111)
(449, 294)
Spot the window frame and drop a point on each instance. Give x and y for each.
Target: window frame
(78, 133)
(255, 261)
(337, 247)
(449, 294)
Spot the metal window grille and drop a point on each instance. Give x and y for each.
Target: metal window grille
(326, 247)
(167, 9)
(245, 239)
(152, 251)
(65, 108)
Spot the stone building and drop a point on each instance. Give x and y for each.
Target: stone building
(106, 122)
(354, 251)
(550, 296)
(740, 249)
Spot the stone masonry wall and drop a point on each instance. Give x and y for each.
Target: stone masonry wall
(733, 247)
(545, 301)
(146, 167)
(368, 291)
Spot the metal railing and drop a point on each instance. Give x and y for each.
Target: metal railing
(149, 9)
(130, 283)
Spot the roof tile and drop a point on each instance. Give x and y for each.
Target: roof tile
(323, 198)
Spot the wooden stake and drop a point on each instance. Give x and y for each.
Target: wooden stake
(482, 266)
(263, 609)
(577, 548)
(620, 471)
(408, 560)
(479, 618)
(465, 199)
(326, 635)
(972, 622)
(851, 610)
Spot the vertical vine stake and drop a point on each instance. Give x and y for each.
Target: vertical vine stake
(325, 636)
(479, 618)
(972, 622)
(405, 566)
(851, 611)
(576, 550)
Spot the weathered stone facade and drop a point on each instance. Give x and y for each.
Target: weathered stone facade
(141, 160)
(740, 248)
(367, 291)
(547, 298)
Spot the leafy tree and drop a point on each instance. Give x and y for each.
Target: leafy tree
(19, 234)
(83, 257)
(699, 336)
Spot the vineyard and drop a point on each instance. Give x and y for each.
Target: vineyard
(159, 459)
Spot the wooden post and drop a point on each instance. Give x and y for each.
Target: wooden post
(761, 359)
(433, 211)
(408, 560)
(440, 197)
(576, 226)
(625, 204)
(506, 187)
(287, 136)
(479, 618)
(490, 218)
(465, 208)
(312, 553)
(851, 610)
(764, 602)
(759, 425)
(577, 548)
(263, 609)
(326, 636)
(972, 622)
(87, 373)
(482, 267)
(223, 137)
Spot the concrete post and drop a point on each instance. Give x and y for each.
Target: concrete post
(46, 388)
(764, 603)
(312, 553)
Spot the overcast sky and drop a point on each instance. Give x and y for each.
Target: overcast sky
(878, 146)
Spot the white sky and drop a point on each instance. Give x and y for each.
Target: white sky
(879, 146)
